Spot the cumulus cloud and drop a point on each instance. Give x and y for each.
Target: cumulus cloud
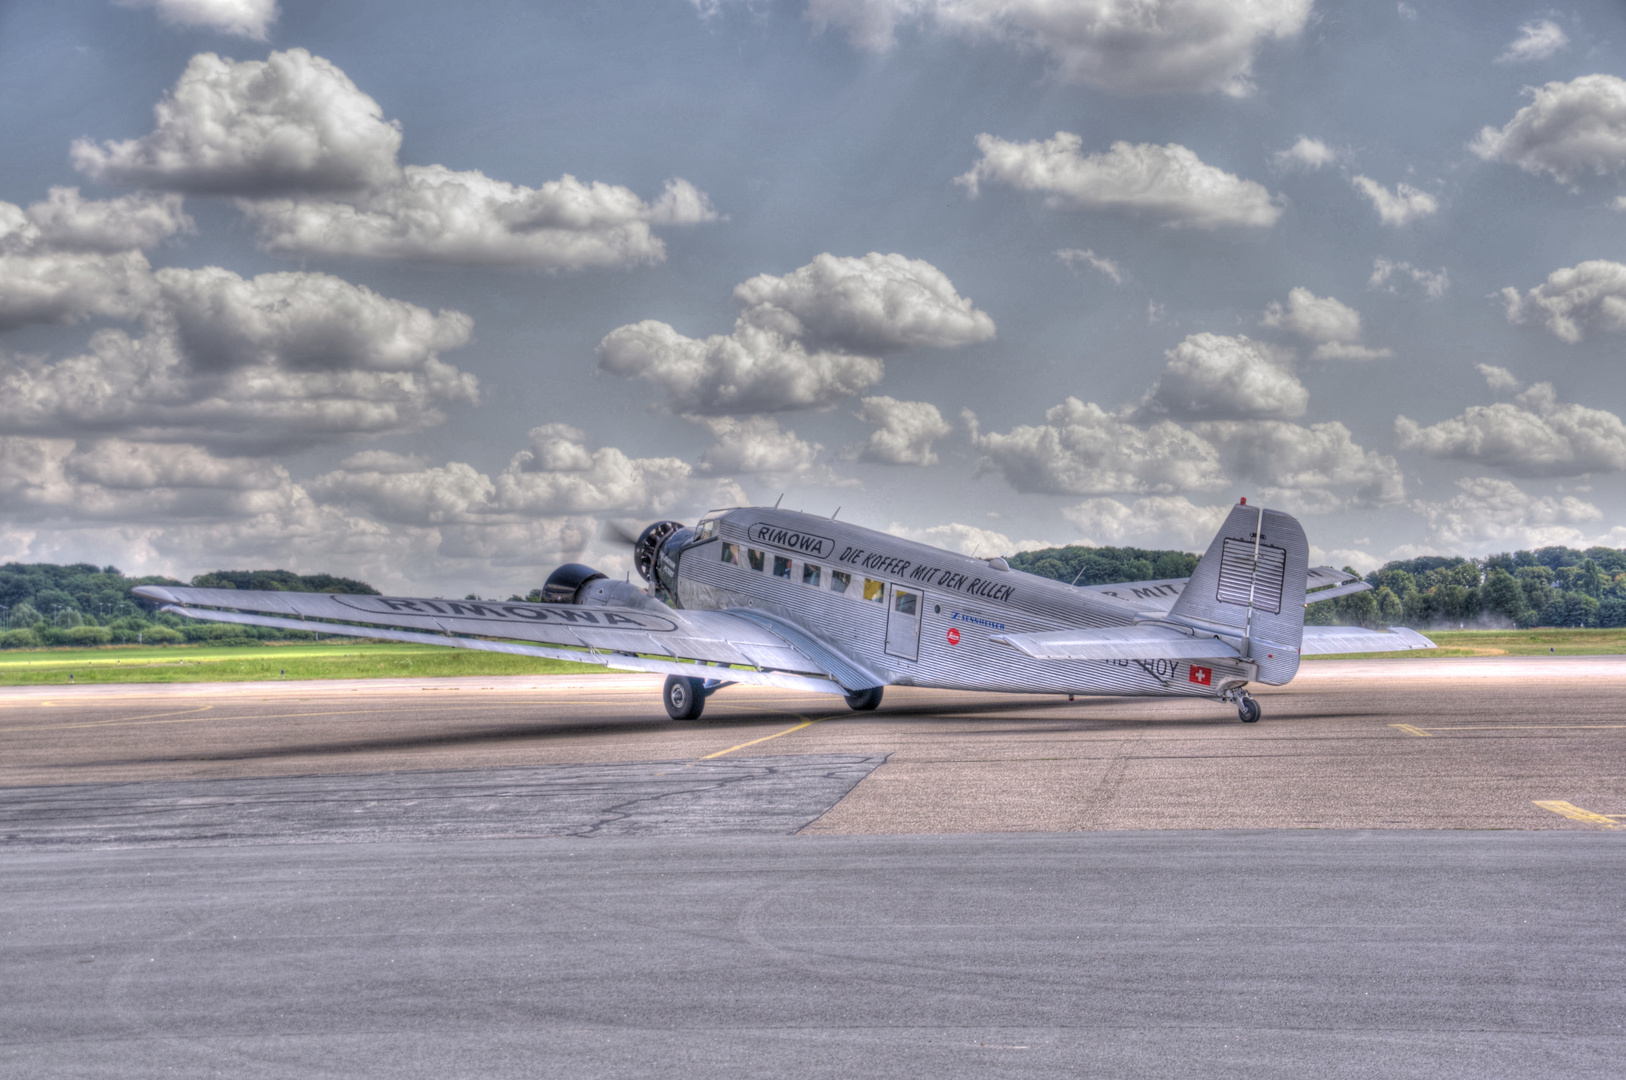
(68, 258)
(1537, 40)
(1166, 183)
(559, 474)
(877, 303)
(1489, 514)
(1568, 130)
(1498, 378)
(1385, 272)
(1305, 155)
(905, 433)
(758, 446)
(966, 539)
(1332, 324)
(1154, 520)
(280, 358)
(1082, 449)
(1314, 468)
(1072, 257)
(1319, 318)
(804, 340)
(243, 18)
(114, 480)
(314, 164)
(1212, 376)
(290, 123)
(1536, 436)
(454, 492)
(1589, 296)
(66, 221)
(750, 370)
(1161, 46)
(435, 214)
(1401, 206)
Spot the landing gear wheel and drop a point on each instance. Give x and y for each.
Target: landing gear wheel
(685, 698)
(864, 700)
(1248, 710)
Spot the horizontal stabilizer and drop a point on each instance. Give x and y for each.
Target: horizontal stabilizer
(1326, 583)
(1331, 640)
(1117, 643)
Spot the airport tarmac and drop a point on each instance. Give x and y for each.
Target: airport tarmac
(1407, 869)
(1424, 744)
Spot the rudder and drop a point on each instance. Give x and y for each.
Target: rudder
(1250, 584)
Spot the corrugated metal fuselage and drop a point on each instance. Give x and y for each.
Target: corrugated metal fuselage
(915, 614)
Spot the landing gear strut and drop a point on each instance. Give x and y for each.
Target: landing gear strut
(1247, 709)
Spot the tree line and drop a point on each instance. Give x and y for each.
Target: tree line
(83, 604)
(1550, 586)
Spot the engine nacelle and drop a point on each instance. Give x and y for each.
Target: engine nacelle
(576, 583)
(567, 581)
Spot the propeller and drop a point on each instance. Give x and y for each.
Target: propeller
(617, 533)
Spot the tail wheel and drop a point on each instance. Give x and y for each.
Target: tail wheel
(1248, 709)
(685, 698)
(865, 700)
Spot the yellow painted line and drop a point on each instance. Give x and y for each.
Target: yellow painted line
(1575, 813)
(765, 738)
(1523, 727)
(1409, 730)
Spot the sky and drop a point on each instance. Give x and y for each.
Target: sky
(425, 294)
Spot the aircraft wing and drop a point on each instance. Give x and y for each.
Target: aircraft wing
(1331, 640)
(655, 638)
(1118, 643)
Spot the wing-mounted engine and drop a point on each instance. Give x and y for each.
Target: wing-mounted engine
(576, 583)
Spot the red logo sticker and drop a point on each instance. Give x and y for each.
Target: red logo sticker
(954, 635)
(1202, 676)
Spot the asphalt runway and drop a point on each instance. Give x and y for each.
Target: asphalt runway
(1280, 954)
(1408, 868)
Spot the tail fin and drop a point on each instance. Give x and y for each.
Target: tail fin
(1250, 584)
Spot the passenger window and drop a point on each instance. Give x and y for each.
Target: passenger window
(875, 590)
(756, 558)
(810, 575)
(839, 580)
(905, 603)
(781, 567)
(731, 554)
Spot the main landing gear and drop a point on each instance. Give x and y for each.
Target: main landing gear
(685, 698)
(864, 700)
(1247, 709)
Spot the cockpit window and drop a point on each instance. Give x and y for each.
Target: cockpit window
(707, 529)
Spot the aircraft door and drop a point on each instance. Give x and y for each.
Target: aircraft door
(903, 623)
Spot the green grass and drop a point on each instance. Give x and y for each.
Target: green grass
(1539, 642)
(268, 661)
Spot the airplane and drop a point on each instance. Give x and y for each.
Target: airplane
(765, 596)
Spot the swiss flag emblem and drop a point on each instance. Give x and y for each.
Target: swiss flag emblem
(1202, 676)
(954, 635)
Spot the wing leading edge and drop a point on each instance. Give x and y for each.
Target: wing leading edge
(654, 639)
